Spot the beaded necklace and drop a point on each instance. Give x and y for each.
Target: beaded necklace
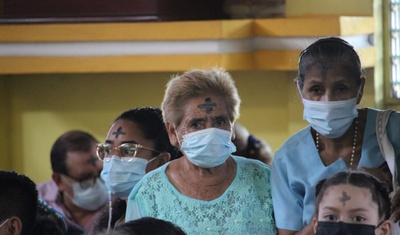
(354, 142)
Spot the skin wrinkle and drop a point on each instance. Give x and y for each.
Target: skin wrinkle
(119, 132)
(208, 105)
(345, 197)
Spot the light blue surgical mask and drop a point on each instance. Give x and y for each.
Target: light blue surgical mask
(209, 147)
(330, 118)
(90, 198)
(121, 176)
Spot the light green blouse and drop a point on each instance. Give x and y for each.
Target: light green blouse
(244, 208)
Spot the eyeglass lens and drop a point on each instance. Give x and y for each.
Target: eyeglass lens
(124, 150)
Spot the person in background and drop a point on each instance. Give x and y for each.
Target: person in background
(18, 203)
(79, 193)
(137, 142)
(248, 145)
(207, 190)
(340, 136)
(354, 203)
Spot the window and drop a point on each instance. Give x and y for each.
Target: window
(394, 48)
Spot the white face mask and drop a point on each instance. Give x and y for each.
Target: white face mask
(90, 198)
(209, 147)
(330, 118)
(121, 176)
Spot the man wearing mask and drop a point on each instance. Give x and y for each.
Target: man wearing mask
(75, 189)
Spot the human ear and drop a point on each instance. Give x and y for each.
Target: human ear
(163, 158)
(57, 179)
(315, 224)
(233, 137)
(361, 89)
(384, 228)
(296, 83)
(160, 160)
(14, 226)
(172, 134)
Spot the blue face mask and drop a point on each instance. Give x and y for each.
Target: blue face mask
(209, 147)
(90, 198)
(121, 176)
(330, 118)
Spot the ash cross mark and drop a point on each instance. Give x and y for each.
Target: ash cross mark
(208, 105)
(119, 132)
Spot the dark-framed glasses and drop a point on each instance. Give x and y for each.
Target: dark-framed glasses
(126, 151)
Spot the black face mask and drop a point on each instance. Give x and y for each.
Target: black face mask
(342, 228)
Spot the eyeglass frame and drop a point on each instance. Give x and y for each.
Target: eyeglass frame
(122, 158)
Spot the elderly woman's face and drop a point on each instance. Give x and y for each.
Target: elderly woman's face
(204, 112)
(329, 84)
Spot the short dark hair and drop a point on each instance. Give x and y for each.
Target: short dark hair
(326, 51)
(149, 226)
(151, 123)
(18, 197)
(68, 142)
(378, 189)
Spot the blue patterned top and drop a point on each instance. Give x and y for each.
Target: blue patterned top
(244, 208)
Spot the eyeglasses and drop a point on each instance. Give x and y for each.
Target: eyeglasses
(85, 183)
(126, 151)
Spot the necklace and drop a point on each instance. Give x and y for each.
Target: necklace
(354, 142)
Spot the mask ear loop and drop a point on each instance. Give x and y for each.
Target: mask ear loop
(109, 212)
(359, 93)
(379, 224)
(177, 137)
(298, 89)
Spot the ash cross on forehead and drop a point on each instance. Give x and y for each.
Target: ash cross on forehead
(119, 132)
(344, 198)
(208, 105)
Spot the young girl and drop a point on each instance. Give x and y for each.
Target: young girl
(352, 203)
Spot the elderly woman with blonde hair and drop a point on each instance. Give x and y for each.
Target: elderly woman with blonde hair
(208, 190)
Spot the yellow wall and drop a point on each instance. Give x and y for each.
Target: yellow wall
(42, 107)
(329, 7)
(4, 126)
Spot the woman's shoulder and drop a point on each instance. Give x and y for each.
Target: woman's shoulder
(152, 179)
(372, 114)
(300, 141)
(251, 167)
(297, 137)
(240, 161)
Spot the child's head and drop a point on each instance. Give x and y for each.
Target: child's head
(358, 200)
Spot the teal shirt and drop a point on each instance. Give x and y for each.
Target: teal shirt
(244, 208)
